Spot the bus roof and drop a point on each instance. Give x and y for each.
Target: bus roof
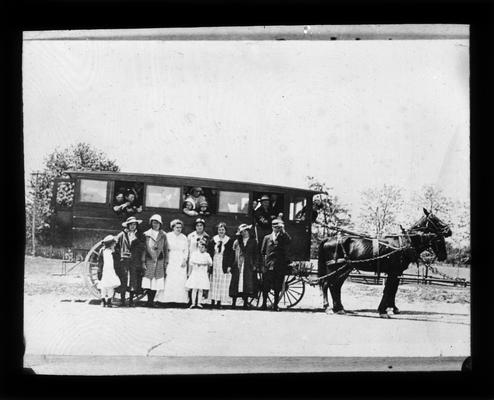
(186, 180)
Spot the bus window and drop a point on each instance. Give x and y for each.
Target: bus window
(234, 202)
(93, 191)
(162, 196)
(298, 209)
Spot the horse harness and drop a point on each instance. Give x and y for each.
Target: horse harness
(348, 264)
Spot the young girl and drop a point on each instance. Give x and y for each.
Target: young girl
(203, 209)
(109, 279)
(198, 279)
(189, 208)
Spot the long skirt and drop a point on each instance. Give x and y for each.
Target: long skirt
(176, 276)
(220, 282)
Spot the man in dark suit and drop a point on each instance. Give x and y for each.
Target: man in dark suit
(275, 251)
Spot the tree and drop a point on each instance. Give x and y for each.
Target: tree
(380, 208)
(78, 157)
(432, 198)
(332, 212)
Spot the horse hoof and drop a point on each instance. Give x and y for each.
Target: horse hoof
(385, 315)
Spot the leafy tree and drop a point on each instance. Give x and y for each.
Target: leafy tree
(78, 157)
(380, 208)
(331, 212)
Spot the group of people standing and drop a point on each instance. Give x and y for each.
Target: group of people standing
(174, 268)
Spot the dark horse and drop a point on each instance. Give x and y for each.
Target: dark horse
(390, 255)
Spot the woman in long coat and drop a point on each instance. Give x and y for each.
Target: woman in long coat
(245, 265)
(154, 259)
(130, 245)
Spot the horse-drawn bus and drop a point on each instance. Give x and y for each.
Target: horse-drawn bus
(90, 211)
(90, 205)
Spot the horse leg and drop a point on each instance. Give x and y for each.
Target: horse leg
(324, 291)
(394, 283)
(383, 305)
(336, 295)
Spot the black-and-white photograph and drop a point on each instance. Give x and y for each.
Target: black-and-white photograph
(255, 199)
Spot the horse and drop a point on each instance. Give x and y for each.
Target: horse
(391, 255)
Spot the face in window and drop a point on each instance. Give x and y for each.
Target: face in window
(131, 197)
(119, 198)
(188, 205)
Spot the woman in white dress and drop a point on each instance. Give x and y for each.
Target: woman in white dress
(220, 282)
(109, 279)
(176, 272)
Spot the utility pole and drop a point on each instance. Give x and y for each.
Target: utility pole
(33, 227)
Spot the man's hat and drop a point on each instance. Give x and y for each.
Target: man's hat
(131, 220)
(242, 228)
(265, 197)
(156, 217)
(198, 188)
(109, 239)
(199, 221)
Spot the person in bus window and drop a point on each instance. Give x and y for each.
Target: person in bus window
(119, 203)
(203, 209)
(197, 195)
(189, 207)
(132, 207)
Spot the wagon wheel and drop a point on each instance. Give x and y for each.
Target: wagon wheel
(91, 272)
(291, 294)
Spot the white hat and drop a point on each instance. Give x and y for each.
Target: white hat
(156, 217)
(131, 220)
(277, 222)
(242, 228)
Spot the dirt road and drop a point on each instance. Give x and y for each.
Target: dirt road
(167, 340)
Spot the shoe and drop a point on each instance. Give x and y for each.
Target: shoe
(103, 302)
(192, 306)
(200, 306)
(264, 307)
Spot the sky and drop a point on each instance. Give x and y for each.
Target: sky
(354, 114)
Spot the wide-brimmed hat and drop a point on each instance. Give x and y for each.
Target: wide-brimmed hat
(131, 220)
(109, 239)
(265, 197)
(176, 222)
(242, 228)
(190, 200)
(156, 217)
(277, 222)
(199, 221)
(203, 203)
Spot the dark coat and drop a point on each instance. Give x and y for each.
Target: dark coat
(130, 259)
(264, 217)
(276, 253)
(249, 255)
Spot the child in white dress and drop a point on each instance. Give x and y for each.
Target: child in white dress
(198, 279)
(109, 279)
